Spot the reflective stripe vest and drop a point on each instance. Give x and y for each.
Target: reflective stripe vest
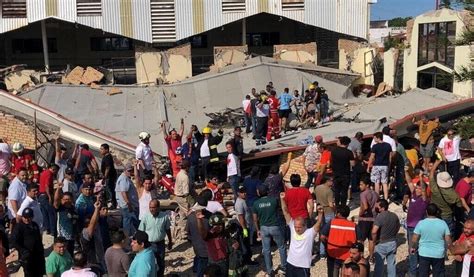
(342, 234)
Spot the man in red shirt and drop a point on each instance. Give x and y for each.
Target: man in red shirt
(299, 200)
(21, 159)
(173, 141)
(459, 248)
(46, 197)
(464, 190)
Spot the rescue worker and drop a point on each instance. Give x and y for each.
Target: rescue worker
(207, 147)
(338, 235)
(20, 159)
(26, 238)
(144, 154)
(273, 120)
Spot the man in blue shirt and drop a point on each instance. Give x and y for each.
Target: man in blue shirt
(144, 263)
(433, 235)
(284, 111)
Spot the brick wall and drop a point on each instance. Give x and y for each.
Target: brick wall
(15, 130)
(348, 45)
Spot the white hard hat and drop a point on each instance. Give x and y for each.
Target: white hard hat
(143, 135)
(17, 147)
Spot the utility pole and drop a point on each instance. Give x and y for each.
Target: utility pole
(44, 38)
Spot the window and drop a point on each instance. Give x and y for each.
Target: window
(111, 44)
(199, 41)
(33, 45)
(13, 8)
(436, 43)
(89, 7)
(263, 39)
(292, 4)
(434, 77)
(233, 5)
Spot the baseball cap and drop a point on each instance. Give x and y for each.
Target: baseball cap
(140, 237)
(88, 186)
(359, 246)
(69, 171)
(28, 213)
(318, 139)
(128, 167)
(242, 189)
(216, 219)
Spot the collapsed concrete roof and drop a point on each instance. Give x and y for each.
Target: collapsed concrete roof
(138, 109)
(119, 118)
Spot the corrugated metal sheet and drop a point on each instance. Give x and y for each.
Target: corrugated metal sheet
(36, 10)
(133, 18)
(9, 24)
(213, 14)
(111, 21)
(184, 11)
(141, 16)
(322, 13)
(91, 21)
(67, 10)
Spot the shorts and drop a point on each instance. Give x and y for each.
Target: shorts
(284, 113)
(379, 174)
(427, 150)
(364, 230)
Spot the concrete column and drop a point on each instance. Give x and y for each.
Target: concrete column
(44, 38)
(244, 31)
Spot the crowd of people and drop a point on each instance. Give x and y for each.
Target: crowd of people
(267, 114)
(307, 216)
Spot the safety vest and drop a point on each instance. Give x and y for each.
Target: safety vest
(342, 234)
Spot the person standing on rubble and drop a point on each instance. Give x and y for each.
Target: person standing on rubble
(144, 155)
(262, 113)
(426, 128)
(342, 160)
(173, 141)
(284, 110)
(253, 111)
(274, 119)
(208, 149)
(311, 158)
(247, 113)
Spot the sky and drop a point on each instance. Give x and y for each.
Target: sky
(388, 9)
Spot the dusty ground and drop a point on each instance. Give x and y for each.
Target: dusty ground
(179, 259)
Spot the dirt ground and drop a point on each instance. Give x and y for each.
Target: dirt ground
(179, 260)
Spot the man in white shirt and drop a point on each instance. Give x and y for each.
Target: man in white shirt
(32, 203)
(387, 139)
(17, 193)
(448, 148)
(248, 113)
(144, 154)
(233, 168)
(301, 241)
(262, 112)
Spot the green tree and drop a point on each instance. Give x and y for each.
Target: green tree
(399, 21)
(464, 73)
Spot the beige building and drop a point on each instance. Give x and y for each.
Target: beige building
(431, 57)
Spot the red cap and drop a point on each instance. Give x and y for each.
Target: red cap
(318, 139)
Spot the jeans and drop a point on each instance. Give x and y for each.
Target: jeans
(262, 128)
(199, 265)
(453, 168)
(159, 251)
(437, 266)
(234, 184)
(311, 177)
(322, 247)
(269, 232)
(192, 176)
(110, 191)
(254, 125)
(205, 167)
(451, 224)
(248, 123)
(294, 271)
(385, 250)
(341, 184)
(334, 266)
(129, 221)
(412, 258)
(49, 216)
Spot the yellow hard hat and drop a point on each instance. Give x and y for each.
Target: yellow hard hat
(312, 86)
(206, 130)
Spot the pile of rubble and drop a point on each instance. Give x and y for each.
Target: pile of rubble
(228, 118)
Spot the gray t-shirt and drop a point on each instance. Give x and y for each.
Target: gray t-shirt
(125, 184)
(355, 146)
(241, 208)
(199, 245)
(389, 225)
(117, 262)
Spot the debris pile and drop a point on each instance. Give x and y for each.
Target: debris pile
(79, 76)
(226, 118)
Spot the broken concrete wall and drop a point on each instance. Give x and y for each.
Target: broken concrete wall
(389, 66)
(227, 55)
(301, 53)
(21, 80)
(357, 57)
(154, 66)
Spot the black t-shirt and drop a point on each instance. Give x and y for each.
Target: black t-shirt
(253, 108)
(341, 161)
(108, 161)
(382, 152)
